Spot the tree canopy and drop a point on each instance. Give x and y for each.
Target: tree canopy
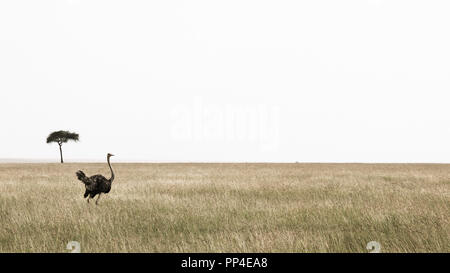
(61, 137)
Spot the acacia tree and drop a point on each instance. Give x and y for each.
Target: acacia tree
(61, 137)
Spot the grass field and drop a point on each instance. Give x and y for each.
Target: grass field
(227, 208)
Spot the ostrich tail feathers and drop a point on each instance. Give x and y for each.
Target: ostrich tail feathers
(83, 178)
(80, 175)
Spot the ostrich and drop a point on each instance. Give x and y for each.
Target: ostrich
(96, 184)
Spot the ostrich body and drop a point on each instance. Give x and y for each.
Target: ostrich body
(96, 184)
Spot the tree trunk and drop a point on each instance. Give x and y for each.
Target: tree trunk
(60, 152)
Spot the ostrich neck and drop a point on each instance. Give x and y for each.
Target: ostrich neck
(112, 172)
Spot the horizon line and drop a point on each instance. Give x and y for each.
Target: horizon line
(51, 161)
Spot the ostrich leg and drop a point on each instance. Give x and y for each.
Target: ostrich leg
(96, 201)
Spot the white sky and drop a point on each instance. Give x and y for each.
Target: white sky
(343, 81)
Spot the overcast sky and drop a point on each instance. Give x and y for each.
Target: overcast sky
(314, 81)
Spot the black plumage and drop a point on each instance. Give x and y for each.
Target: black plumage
(96, 184)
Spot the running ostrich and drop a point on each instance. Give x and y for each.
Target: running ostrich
(96, 184)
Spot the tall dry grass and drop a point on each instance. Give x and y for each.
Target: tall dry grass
(228, 208)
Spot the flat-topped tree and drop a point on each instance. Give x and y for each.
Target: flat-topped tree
(61, 137)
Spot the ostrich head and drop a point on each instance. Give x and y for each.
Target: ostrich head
(109, 155)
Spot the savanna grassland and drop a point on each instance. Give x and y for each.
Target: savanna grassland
(227, 208)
